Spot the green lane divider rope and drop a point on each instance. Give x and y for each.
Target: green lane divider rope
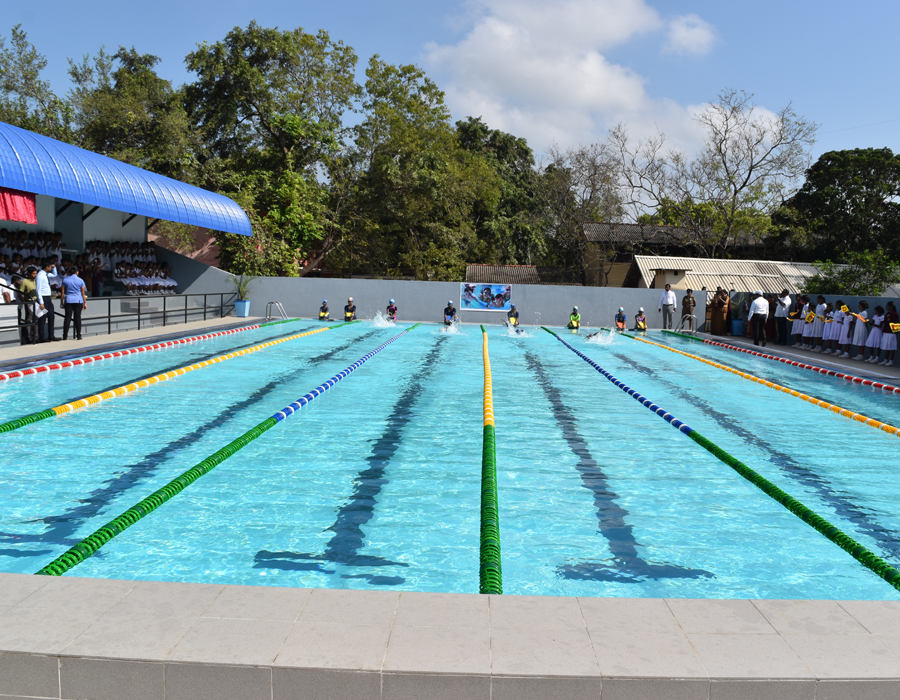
(490, 574)
(862, 554)
(684, 335)
(89, 545)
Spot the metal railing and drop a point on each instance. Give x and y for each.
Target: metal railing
(104, 315)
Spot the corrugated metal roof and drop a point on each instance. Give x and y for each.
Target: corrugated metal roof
(518, 274)
(33, 163)
(769, 276)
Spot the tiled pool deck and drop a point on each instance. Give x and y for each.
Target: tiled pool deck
(128, 640)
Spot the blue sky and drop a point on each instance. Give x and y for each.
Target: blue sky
(553, 71)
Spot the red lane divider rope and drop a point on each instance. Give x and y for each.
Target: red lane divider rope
(120, 353)
(802, 365)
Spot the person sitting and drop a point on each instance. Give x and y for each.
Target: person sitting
(350, 310)
(449, 313)
(574, 319)
(323, 310)
(513, 318)
(620, 319)
(391, 311)
(640, 321)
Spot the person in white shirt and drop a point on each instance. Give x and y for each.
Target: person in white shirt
(759, 312)
(782, 309)
(45, 300)
(667, 306)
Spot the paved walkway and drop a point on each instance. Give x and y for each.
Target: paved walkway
(43, 353)
(72, 637)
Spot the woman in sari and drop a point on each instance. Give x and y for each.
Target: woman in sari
(720, 303)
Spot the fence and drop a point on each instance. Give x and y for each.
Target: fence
(106, 315)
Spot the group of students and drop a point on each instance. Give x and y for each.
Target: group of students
(833, 329)
(35, 244)
(390, 312)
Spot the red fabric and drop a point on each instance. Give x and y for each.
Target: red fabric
(17, 206)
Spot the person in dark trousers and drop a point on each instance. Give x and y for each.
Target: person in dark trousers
(28, 297)
(350, 310)
(782, 309)
(45, 300)
(759, 313)
(75, 298)
(688, 304)
(449, 313)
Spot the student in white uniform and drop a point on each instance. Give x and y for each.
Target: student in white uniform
(808, 324)
(889, 335)
(828, 334)
(818, 324)
(843, 341)
(798, 323)
(873, 342)
(860, 330)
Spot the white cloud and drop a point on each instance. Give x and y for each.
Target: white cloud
(689, 34)
(538, 69)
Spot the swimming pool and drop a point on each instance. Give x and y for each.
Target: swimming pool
(377, 482)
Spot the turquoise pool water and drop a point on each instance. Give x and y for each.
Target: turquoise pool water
(376, 483)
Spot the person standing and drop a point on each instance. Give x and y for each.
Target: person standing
(759, 312)
(45, 301)
(28, 297)
(667, 306)
(75, 299)
(688, 304)
(720, 312)
(782, 308)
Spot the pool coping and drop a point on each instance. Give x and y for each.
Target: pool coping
(72, 637)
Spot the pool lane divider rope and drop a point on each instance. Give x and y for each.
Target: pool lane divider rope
(490, 574)
(794, 363)
(89, 545)
(9, 426)
(132, 351)
(846, 412)
(862, 554)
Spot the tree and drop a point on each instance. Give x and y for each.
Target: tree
(414, 188)
(750, 162)
(124, 110)
(849, 202)
(510, 228)
(26, 99)
(866, 274)
(269, 105)
(577, 186)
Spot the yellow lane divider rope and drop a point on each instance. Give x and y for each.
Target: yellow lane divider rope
(96, 398)
(847, 413)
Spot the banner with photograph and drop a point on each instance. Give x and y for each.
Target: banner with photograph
(485, 297)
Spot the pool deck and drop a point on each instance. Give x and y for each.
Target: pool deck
(42, 353)
(101, 639)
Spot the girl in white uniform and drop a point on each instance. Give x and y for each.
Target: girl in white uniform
(888, 336)
(843, 337)
(831, 326)
(808, 342)
(818, 324)
(798, 323)
(873, 342)
(861, 331)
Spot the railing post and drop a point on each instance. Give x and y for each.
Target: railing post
(204, 307)
(164, 310)
(139, 313)
(185, 308)
(109, 316)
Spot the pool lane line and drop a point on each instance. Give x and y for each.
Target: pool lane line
(794, 363)
(90, 544)
(61, 527)
(131, 351)
(863, 555)
(490, 574)
(9, 426)
(834, 408)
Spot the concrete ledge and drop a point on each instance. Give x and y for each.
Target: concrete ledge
(76, 638)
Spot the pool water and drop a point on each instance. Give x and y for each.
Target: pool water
(376, 484)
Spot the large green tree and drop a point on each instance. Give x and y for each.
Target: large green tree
(26, 99)
(850, 202)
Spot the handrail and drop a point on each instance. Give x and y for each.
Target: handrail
(89, 545)
(490, 574)
(856, 550)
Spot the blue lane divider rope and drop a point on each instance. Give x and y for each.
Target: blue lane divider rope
(863, 555)
(322, 388)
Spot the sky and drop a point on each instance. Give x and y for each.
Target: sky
(553, 71)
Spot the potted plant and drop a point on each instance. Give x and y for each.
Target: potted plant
(242, 289)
